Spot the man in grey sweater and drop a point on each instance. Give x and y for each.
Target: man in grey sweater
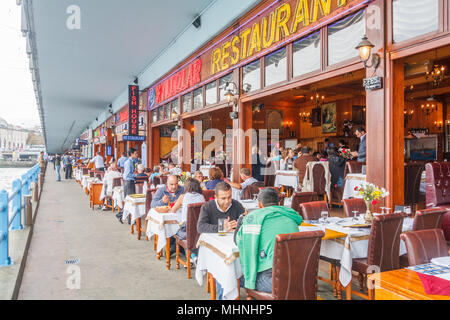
(223, 206)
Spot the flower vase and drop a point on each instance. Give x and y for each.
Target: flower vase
(368, 217)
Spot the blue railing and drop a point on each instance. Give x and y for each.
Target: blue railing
(10, 216)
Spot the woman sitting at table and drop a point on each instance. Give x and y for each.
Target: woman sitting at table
(192, 194)
(287, 161)
(215, 176)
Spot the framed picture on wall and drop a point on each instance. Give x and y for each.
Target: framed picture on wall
(329, 118)
(275, 120)
(359, 115)
(315, 117)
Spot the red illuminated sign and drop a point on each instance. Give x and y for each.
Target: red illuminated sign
(123, 116)
(133, 110)
(180, 81)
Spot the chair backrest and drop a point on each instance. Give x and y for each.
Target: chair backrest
(141, 179)
(318, 173)
(149, 198)
(163, 179)
(428, 219)
(91, 173)
(249, 191)
(296, 265)
(99, 176)
(413, 174)
(193, 213)
(139, 187)
(384, 241)
(120, 169)
(117, 182)
(208, 194)
(302, 197)
(269, 177)
(424, 245)
(353, 167)
(312, 210)
(156, 180)
(355, 204)
(85, 171)
(437, 183)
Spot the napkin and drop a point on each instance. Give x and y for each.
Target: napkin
(434, 285)
(441, 261)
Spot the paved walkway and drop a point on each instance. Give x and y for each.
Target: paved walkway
(113, 263)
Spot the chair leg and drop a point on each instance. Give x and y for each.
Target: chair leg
(208, 289)
(146, 225)
(132, 229)
(178, 254)
(239, 289)
(168, 253)
(348, 291)
(188, 259)
(361, 282)
(338, 284)
(213, 287)
(155, 242)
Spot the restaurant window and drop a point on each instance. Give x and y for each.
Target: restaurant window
(344, 36)
(175, 106)
(251, 74)
(306, 54)
(167, 111)
(161, 113)
(155, 115)
(187, 102)
(276, 66)
(211, 92)
(198, 98)
(222, 81)
(412, 18)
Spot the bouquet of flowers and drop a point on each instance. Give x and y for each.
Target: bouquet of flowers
(184, 176)
(371, 192)
(345, 153)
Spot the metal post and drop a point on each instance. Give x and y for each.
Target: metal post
(41, 180)
(5, 260)
(35, 191)
(28, 217)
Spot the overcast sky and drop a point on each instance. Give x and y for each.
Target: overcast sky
(17, 101)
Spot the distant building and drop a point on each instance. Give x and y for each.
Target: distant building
(16, 138)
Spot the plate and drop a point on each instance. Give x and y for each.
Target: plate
(137, 195)
(359, 226)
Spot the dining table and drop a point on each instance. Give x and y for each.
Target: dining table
(163, 226)
(286, 178)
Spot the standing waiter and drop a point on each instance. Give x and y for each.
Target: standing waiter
(129, 176)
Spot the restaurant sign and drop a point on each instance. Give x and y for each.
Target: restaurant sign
(270, 29)
(133, 110)
(133, 138)
(373, 83)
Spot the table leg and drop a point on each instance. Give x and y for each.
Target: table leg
(146, 225)
(212, 287)
(208, 289)
(348, 291)
(168, 253)
(138, 228)
(155, 242)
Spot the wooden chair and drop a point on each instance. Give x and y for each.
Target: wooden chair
(412, 177)
(318, 173)
(312, 210)
(354, 204)
(302, 197)
(424, 245)
(383, 251)
(192, 235)
(295, 267)
(208, 194)
(428, 219)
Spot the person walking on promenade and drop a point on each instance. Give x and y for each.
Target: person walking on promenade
(41, 162)
(58, 166)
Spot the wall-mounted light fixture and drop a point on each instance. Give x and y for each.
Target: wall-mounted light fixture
(428, 108)
(287, 125)
(365, 49)
(257, 107)
(438, 125)
(407, 116)
(305, 116)
(231, 94)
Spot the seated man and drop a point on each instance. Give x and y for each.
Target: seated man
(168, 194)
(222, 207)
(255, 237)
(140, 170)
(246, 176)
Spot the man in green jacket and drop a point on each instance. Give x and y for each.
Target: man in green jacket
(255, 238)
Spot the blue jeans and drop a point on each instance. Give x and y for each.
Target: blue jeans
(59, 174)
(263, 281)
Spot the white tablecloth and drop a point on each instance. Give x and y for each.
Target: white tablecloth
(218, 255)
(353, 180)
(205, 169)
(423, 180)
(250, 205)
(355, 245)
(286, 178)
(78, 174)
(236, 194)
(86, 180)
(134, 207)
(118, 196)
(164, 225)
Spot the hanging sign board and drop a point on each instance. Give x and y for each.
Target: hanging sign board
(373, 83)
(133, 110)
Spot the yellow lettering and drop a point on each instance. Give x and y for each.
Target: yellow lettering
(215, 61)
(268, 42)
(342, 3)
(255, 40)
(301, 15)
(323, 5)
(244, 38)
(235, 57)
(225, 54)
(283, 15)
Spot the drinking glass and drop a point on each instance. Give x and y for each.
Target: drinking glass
(221, 227)
(355, 215)
(255, 197)
(388, 210)
(324, 216)
(382, 210)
